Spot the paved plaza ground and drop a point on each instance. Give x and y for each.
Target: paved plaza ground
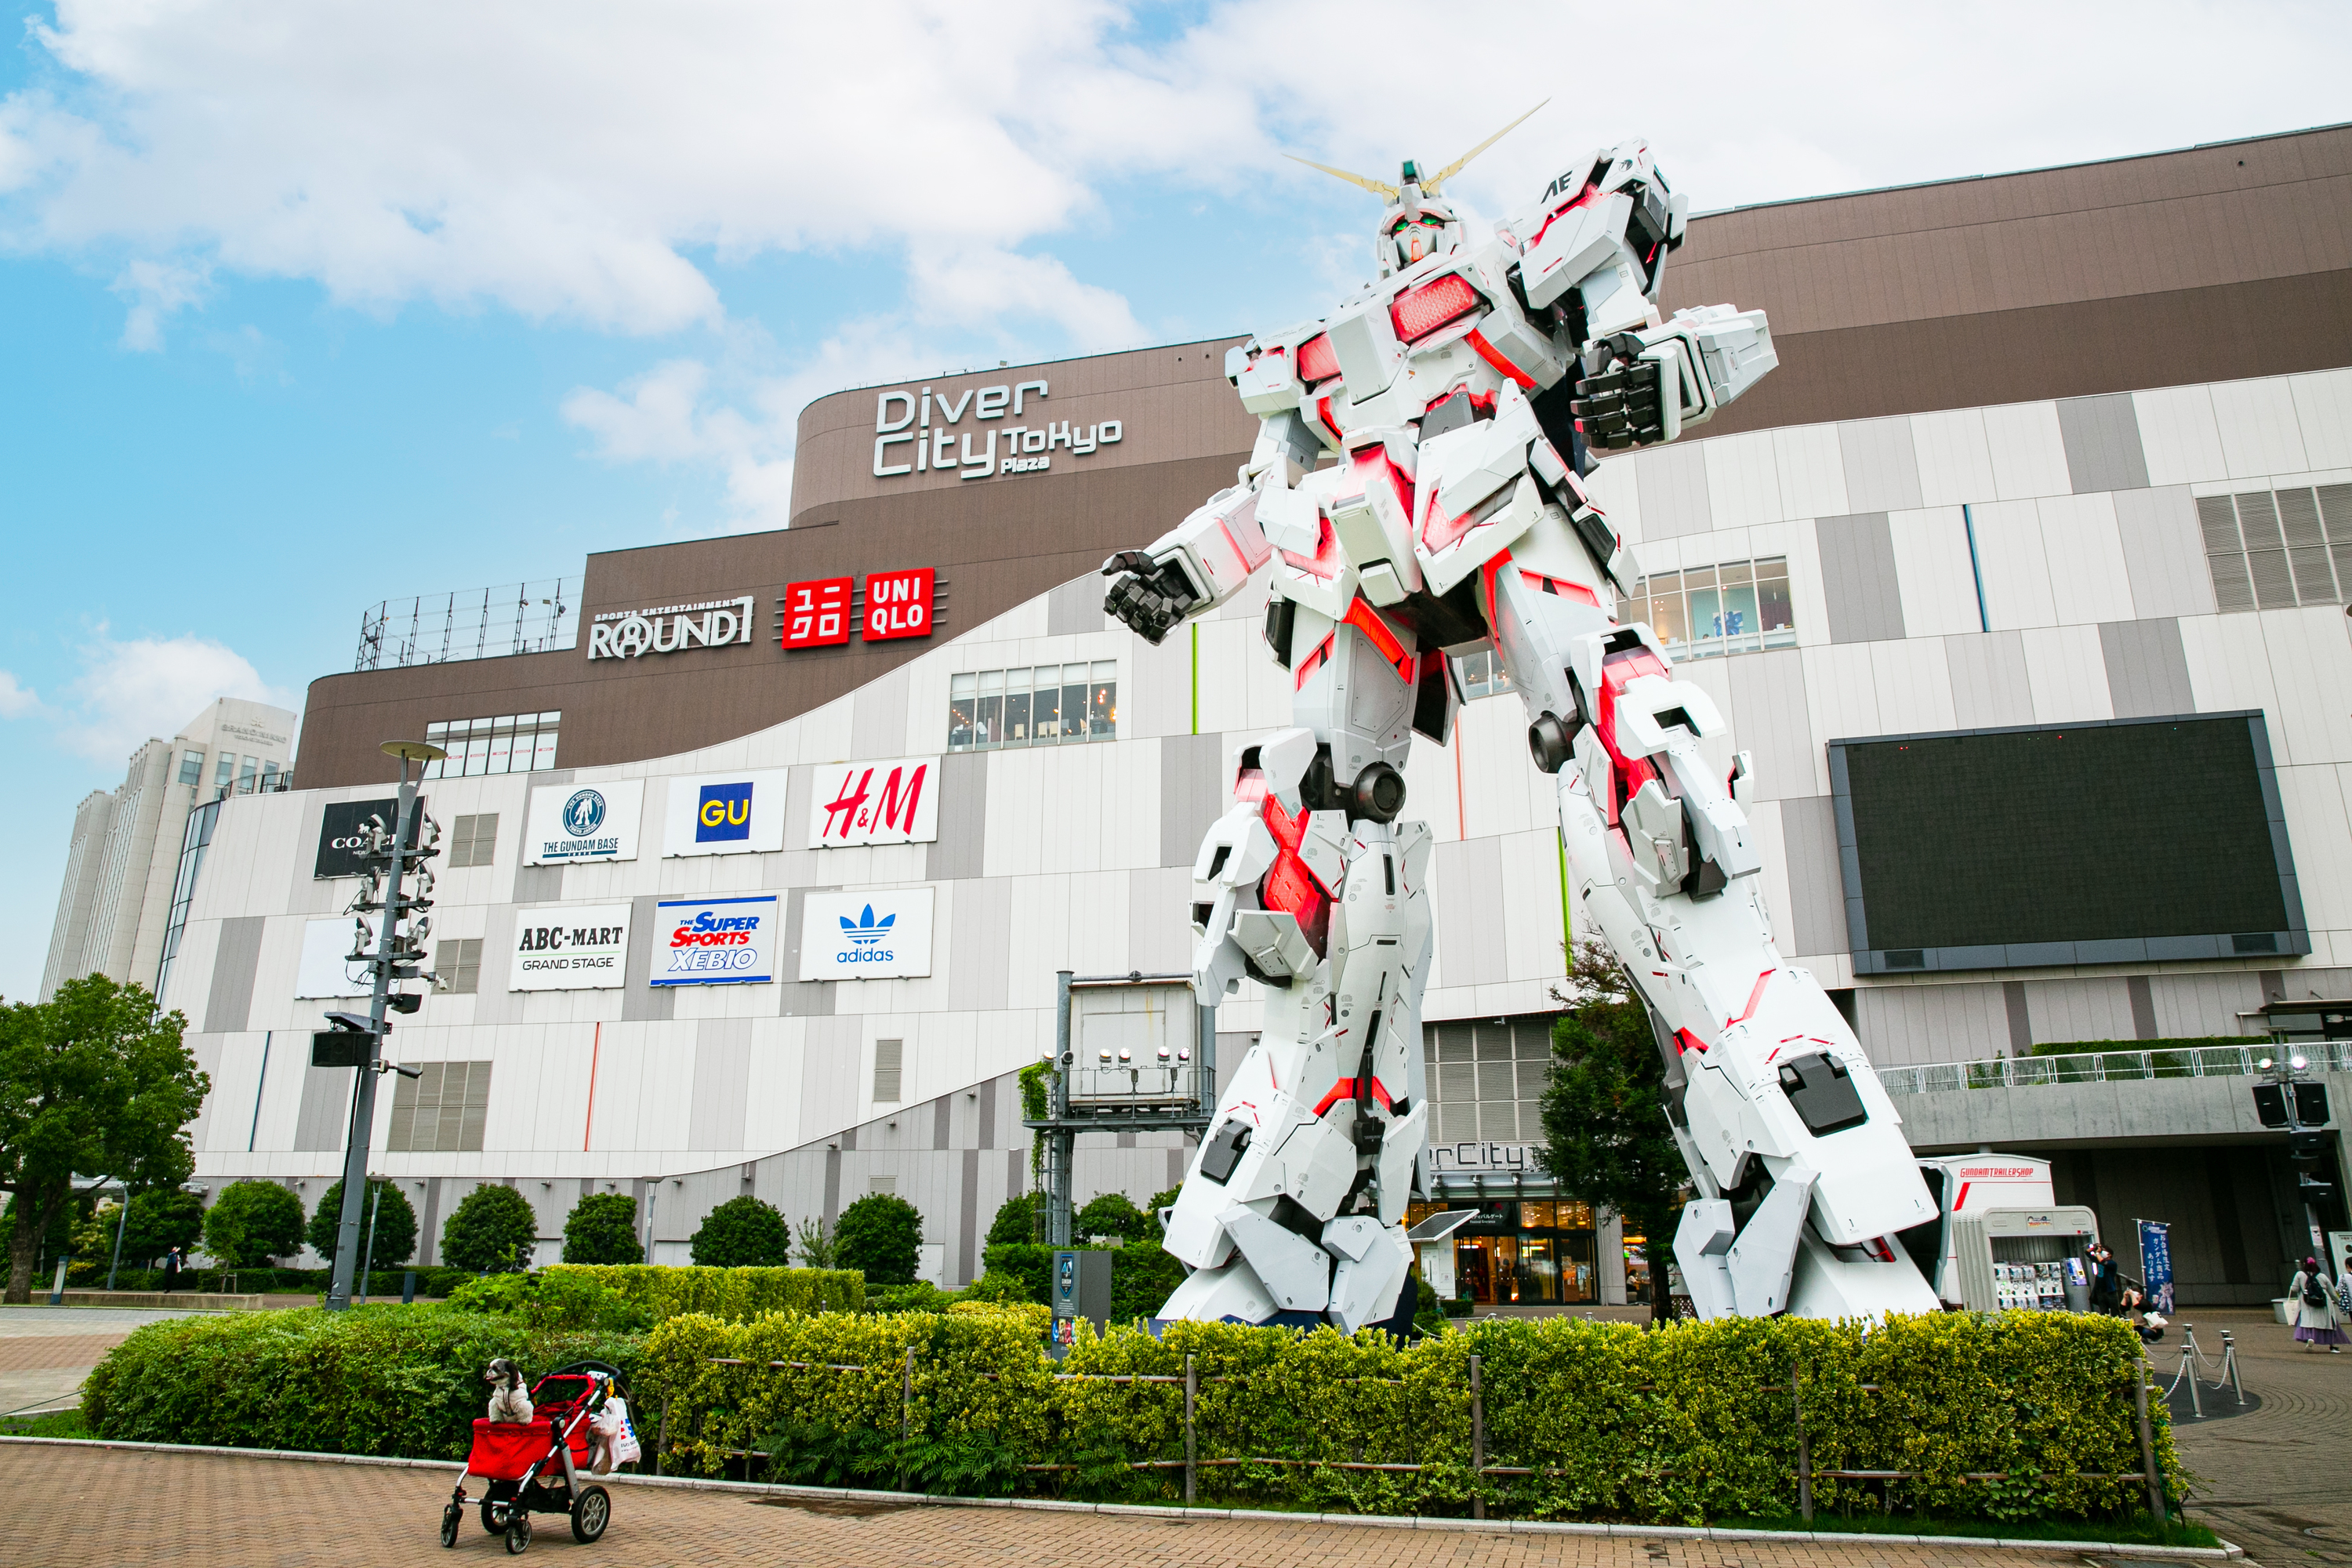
(2275, 1480)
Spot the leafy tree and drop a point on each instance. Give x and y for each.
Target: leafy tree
(253, 1222)
(819, 1247)
(93, 1080)
(492, 1231)
(160, 1220)
(882, 1235)
(742, 1233)
(1159, 1201)
(1606, 1137)
(1112, 1214)
(1019, 1222)
(603, 1229)
(395, 1225)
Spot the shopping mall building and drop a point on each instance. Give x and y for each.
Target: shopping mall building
(2050, 453)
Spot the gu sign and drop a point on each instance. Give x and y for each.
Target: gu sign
(712, 623)
(875, 802)
(913, 433)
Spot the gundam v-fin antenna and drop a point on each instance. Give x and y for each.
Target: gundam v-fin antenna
(1385, 192)
(1434, 184)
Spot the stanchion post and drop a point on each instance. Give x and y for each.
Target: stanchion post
(906, 1395)
(1191, 1449)
(2148, 1442)
(1478, 1441)
(2189, 1359)
(2230, 1361)
(1804, 1451)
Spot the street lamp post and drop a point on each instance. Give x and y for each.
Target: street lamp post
(2287, 1098)
(397, 957)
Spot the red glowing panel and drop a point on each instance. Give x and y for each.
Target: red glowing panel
(816, 613)
(1317, 361)
(1423, 310)
(898, 605)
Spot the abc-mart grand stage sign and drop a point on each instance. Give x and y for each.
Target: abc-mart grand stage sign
(919, 431)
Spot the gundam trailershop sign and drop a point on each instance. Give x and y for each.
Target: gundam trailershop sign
(725, 814)
(712, 623)
(581, 948)
(583, 822)
(866, 936)
(875, 802)
(716, 942)
(916, 431)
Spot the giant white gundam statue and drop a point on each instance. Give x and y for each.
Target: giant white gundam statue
(1463, 398)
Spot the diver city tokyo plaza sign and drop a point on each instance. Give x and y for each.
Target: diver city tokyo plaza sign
(583, 948)
(725, 814)
(875, 802)
(716, 942)
(919, 431)
(574, 823)
(866, 936)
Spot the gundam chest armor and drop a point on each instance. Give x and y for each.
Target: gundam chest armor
(1416, 490)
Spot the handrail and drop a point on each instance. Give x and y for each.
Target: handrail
(2112, 1067)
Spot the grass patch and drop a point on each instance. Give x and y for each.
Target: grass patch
(2140, 1531)
(54, 1423)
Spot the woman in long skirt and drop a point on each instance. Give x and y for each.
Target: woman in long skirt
(2317, 1320)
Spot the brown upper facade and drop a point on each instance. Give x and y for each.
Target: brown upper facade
(2215, 263)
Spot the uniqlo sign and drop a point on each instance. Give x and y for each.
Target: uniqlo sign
(816, 613)
(898, 605)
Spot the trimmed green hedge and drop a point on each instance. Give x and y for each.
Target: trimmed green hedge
(1690, 1422)
(375, 1379)
(735, 1295)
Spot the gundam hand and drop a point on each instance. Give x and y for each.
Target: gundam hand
(1150, 596)
(1617, 403)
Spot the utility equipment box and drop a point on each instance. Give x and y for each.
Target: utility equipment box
(2023, 1259)
(1081, 1289)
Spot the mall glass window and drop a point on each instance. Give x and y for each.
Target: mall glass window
(440, 1111)
(1482, 674)
(1522, 1252)
(223, 772)
(1703, 612)
(458, 963)
(474, 840)
(194, 841)
(192, 767)
(1042, 705)
(2274, 550)
(509, 744)
(248, 776)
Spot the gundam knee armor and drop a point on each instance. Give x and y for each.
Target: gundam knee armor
(1417, 490)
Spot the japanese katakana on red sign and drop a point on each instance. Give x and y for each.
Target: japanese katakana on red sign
(816, 614)
(898, 605)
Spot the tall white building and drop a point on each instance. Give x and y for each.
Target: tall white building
(127, 844)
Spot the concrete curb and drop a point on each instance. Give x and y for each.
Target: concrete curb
(1140, 1510)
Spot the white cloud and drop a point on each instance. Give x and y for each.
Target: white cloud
(132, 691)
(17, 702)
(156, 289)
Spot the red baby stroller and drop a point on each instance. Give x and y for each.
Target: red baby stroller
(535, 1466)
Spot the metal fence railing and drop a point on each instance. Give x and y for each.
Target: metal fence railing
(2114, 1066)
(479, 623)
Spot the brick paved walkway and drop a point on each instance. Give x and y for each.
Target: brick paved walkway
(2277, 1481)
(106, 1507)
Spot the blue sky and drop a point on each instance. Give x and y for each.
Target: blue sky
(307, 305)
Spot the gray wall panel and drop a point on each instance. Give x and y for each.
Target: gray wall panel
(877, 724)
(238, 954)
(324, 1121)
(979, 949)
(1770, 718)
(800, 791)
(2021, 1018)
(2164, 552)
(1191, 794)
(493, 1002)
(2102, 437)
(830, 1063)
(1076, 607)
(1991, 687)
(640, 1002)
(722, 1084)
(1159, 920)
(1673, 485)
(2147, 673)
(796, 998)
(539, 884)
(965, 1264)
(1469, 897)
(1816, 889)
(1858, 578)
(963, 818)
(1882, 468)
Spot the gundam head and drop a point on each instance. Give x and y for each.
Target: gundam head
(1419, 221)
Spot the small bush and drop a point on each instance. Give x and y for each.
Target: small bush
(881, 1236)
(395, 1225)
(603, 1229)
(251, 1223)
(1109, 1214)
(492, 1231)
(742, 1233)
(1017, 1223)
(922, 1296)
(554, 1299)
(730, 1295)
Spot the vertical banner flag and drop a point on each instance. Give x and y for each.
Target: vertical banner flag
(894, 802)
(2155, 1263)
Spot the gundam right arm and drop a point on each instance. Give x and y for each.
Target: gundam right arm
(1204, 560)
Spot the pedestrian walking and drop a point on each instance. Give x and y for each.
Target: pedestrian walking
(170, 1271)
(2317, 1320)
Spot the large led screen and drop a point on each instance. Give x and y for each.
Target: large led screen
(2112, 842)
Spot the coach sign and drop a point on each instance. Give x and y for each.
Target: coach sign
(342, 834)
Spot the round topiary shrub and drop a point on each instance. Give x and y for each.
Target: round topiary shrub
(395, 1225)
(742, 1233)
(253, 1222)
(881, 1235)
(492, 1232)
(603, 1229)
